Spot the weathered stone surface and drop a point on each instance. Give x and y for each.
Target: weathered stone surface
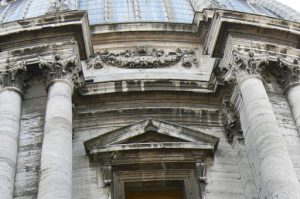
(30, 142)
(56, 160)
(293, 97)
(266, 149)
(10, 111)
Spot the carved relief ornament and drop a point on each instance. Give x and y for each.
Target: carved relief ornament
(142, 57)
(231, 121)
(289, 71)
(13, 75)
(243, 64)
(58, 6)
(61, 68)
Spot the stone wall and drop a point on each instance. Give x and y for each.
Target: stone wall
(95, 115)
(31, 137)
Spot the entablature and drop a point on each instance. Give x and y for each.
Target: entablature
(252, 24)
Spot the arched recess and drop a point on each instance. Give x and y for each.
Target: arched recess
(152, 156)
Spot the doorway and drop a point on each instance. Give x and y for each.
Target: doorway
(155, 190)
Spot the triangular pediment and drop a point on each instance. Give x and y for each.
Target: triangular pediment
(151, 134)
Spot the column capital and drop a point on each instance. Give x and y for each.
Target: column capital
(12, 77)
(289, 70)
(57, 68)
(231, 121)
(242, 65)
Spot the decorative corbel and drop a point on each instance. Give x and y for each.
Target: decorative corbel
(201, 173)
(107, 175)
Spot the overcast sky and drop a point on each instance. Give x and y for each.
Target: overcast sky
(295, 4)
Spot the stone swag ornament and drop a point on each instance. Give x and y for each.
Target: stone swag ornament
(142, 57)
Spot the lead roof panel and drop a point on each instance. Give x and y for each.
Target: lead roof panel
(119, 11)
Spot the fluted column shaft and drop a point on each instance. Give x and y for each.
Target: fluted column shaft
(56, 160)
(10, 110)
(293, 97)
(274, 173)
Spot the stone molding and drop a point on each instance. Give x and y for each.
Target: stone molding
(231, 121)
(142, 57)
(13, 76)
(58, 68)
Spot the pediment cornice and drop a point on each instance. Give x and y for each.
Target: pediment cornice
(120, 139)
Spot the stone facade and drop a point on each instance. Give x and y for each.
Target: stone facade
(210, 110)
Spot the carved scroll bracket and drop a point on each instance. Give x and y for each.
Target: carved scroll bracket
(201, 173)
(67, 69)
(107, 175)
(142, 57)
(231, 122)
(13, 76)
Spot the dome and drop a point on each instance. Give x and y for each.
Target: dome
(124, 11)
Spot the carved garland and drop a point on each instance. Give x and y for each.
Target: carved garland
(142, 57)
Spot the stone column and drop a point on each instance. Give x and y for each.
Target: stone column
(293, 97)
(10, 111)
(290, 71)
(273, 171)
(56, 159)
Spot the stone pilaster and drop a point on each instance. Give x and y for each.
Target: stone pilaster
(56, 159)
(11, 82)
(234, 136)
(290, 72)
(270, 161)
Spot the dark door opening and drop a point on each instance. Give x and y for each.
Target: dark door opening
(155, 190)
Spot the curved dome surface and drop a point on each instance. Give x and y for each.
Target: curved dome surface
(121, 11)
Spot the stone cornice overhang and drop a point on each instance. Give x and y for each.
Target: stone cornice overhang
(221, 19)
(143, 27)
(53, 21)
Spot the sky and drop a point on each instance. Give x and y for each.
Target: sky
(295, 4)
